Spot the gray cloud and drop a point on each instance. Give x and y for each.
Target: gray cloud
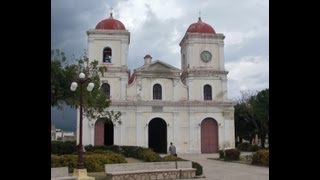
(157, 27)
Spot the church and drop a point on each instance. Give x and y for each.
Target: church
(159, 102)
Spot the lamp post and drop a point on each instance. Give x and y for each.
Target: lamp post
(81, 81)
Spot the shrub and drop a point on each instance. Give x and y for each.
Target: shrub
(131, 151)
(171, 158)
(221, 154)
(148, 155)
(198, 168)
(94, 162)
(261, 157)
(243, 146)
(55, 161)
(253, 148)
(127, 151)
(60, 147)
(89, 148)
(145, 154)
(64, 160)
(232, 154)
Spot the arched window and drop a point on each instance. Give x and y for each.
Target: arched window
(157, 91)
(107, 54)
(105, 88)
(207, 92)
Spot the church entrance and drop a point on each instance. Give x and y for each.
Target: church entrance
(103, 132)
(158, 135)
(209, 136)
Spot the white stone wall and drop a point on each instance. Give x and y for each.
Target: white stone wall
(183, 120)
(118, 41)
(193, 45)
(196, 88)
(183, 126)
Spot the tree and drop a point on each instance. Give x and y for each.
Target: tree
(260, 109)
(63, 74)
(252, 115)
(244, 122)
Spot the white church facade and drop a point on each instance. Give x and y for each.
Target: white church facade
(159, 102)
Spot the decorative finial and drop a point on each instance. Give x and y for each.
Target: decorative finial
(111, 11)
(199, 15)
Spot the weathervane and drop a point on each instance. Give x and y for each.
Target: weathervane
(111, 11)
(199, 15)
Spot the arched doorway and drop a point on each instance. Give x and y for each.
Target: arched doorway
(158, 135)
(103, 132)
(108, 133)
(209, 136)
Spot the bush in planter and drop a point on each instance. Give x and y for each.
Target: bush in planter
(148, 155)
(231, 155)
(261, 157)
(171, 158)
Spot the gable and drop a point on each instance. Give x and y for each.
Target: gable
(158, 66)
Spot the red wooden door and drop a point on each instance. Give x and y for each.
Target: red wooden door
(99, 133)
(209, 136)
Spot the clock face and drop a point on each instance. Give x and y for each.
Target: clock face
(206, 56)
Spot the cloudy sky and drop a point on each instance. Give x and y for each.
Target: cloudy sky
(157, 27)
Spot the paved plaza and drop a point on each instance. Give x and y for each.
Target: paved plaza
(220, 170)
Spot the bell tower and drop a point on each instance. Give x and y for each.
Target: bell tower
(108, 43)
(202, 62)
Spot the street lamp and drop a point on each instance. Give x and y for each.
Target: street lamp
(81, 81)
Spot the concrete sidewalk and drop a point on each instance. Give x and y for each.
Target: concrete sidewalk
(220, 170)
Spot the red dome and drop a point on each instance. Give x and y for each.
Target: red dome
(200, 27)
(110, 23)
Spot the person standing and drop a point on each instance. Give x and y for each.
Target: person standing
(172, 149)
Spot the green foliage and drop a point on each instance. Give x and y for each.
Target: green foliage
(94, 162)
(248, 147)
(149, 155)
(243, 146)
(62, 75)
(198, 167)
(137, 152)
(244, 126)
(64, 160)
(60, 147)
(145, 154)
(261, 157)
(252, 115)
(55, 161)
(260, 109)
(131, 151)
(231, 155)
(171, 158)
(253, 148)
